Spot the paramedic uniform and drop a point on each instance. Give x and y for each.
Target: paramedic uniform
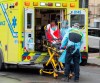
(73, 40)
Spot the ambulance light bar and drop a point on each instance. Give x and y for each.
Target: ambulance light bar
(35, 3)
(72, 4)
(58, 4)
(27, 3)
(64, 4)
(42, 4)
(50, 4)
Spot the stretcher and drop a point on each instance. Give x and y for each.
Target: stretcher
(52, 66)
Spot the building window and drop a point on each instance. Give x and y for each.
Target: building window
(97, 24)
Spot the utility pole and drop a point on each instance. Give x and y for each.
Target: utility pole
(99, 48)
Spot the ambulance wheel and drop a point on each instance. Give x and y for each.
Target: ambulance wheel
(41, 72)
(84, 62)
(1, 61)
(84, 59)
(6, 66)
(1, 64)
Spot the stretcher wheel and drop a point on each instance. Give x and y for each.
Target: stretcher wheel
(41, 72)
(55, 75)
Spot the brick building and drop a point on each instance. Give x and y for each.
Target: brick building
(94, 13)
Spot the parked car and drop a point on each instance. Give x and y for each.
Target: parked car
(94, 38)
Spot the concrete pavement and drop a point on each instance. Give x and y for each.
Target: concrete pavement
(94, 58)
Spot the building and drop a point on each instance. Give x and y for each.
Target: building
(94, 13)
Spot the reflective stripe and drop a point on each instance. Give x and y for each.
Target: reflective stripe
(76, 31)
(37, 57)
(41, 59)
(14, 34)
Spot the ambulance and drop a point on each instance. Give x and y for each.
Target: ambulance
(22, 28)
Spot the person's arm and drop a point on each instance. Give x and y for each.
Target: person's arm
(52, 33)
(64, 41)
(47, 27)
(83, 37)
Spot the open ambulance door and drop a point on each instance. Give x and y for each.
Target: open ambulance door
(80, 16)
(29, 29)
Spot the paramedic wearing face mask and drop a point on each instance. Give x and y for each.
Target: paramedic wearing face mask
(73, 41)
(53, 32)
(64, 28)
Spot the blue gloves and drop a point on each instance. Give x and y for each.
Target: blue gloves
(62, 48)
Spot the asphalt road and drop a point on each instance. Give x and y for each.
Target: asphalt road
(89, 74)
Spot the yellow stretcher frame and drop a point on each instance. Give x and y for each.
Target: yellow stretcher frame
(53, 52)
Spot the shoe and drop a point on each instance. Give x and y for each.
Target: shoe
(65, 79)
(70, 75)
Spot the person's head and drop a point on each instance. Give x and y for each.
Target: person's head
(65, 24)
(53, 23)
(76, 25)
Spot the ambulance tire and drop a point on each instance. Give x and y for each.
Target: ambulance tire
(84, 62)
(1, 61)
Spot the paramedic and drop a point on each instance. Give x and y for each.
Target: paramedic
(64, 27)
(53, 32)
(73, 40)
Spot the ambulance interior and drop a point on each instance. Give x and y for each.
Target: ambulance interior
(42, 18)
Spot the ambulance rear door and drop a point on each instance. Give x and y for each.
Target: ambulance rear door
(29, 29)
(80, 16)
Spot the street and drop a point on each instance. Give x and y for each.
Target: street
(89, 74)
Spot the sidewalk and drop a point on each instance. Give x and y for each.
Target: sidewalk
(93, 58)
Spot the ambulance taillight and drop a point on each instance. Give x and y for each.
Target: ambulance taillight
(28, 57)
(84, 47)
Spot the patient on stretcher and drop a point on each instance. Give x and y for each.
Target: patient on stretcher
(53, 33)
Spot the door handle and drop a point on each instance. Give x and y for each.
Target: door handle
(6, 47)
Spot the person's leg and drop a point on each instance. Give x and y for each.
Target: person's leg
(72, 68)
(76, 59)
(67, 67)
(71, 71)
(68, 59)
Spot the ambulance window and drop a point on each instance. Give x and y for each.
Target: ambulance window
(78, 19)
(29, 20)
